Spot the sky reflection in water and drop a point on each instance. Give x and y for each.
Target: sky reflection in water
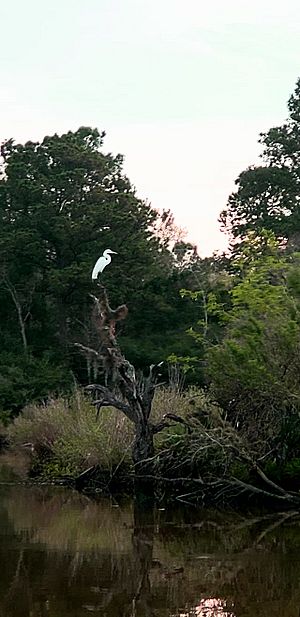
(208, 607)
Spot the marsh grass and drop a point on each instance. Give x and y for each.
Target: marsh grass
(67, 435)
(67, 438)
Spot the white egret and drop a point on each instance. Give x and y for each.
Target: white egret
(102, 262)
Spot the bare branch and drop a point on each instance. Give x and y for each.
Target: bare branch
(113, 402)
(109, 400)
(87, 350)
(171, 416)
(254, 489)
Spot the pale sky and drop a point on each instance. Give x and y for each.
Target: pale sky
(181, 87)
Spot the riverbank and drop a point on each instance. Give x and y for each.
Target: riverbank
(160, 491)
(202, 460)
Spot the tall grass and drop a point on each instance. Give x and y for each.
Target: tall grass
(66, 438)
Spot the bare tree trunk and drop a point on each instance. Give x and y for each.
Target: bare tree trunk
(22, 328)
(22, 320)
(143, 447)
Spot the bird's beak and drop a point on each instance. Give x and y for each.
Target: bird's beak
(114, 252)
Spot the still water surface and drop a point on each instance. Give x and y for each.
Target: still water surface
(63, 554)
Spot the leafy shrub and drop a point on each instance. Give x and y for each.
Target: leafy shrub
(254, 370)
(288, 473)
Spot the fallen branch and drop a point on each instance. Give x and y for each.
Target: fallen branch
(267, 480)
(247, 458)
(254, 489)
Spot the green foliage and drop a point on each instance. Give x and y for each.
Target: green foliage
(292, 469)
(240, 471)
(5, 418)
(24, 379)
(287, 474)
(188, 364)
(53, 469)
(254, 370)
(210, 304)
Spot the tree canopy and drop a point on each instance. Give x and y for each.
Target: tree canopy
(268, 196)
(62, 202)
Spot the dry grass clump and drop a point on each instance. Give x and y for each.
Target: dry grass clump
(66, 437)
(170, 400)
(68, 433)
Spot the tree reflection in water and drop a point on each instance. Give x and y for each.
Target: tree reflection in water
(64, 554)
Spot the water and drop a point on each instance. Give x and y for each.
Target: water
(64, 555)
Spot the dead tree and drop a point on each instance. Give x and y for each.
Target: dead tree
(22, 302)
(122, 389)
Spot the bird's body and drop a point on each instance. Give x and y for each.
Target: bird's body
(101, 263)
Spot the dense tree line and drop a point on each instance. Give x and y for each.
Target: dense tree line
(232, 321)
